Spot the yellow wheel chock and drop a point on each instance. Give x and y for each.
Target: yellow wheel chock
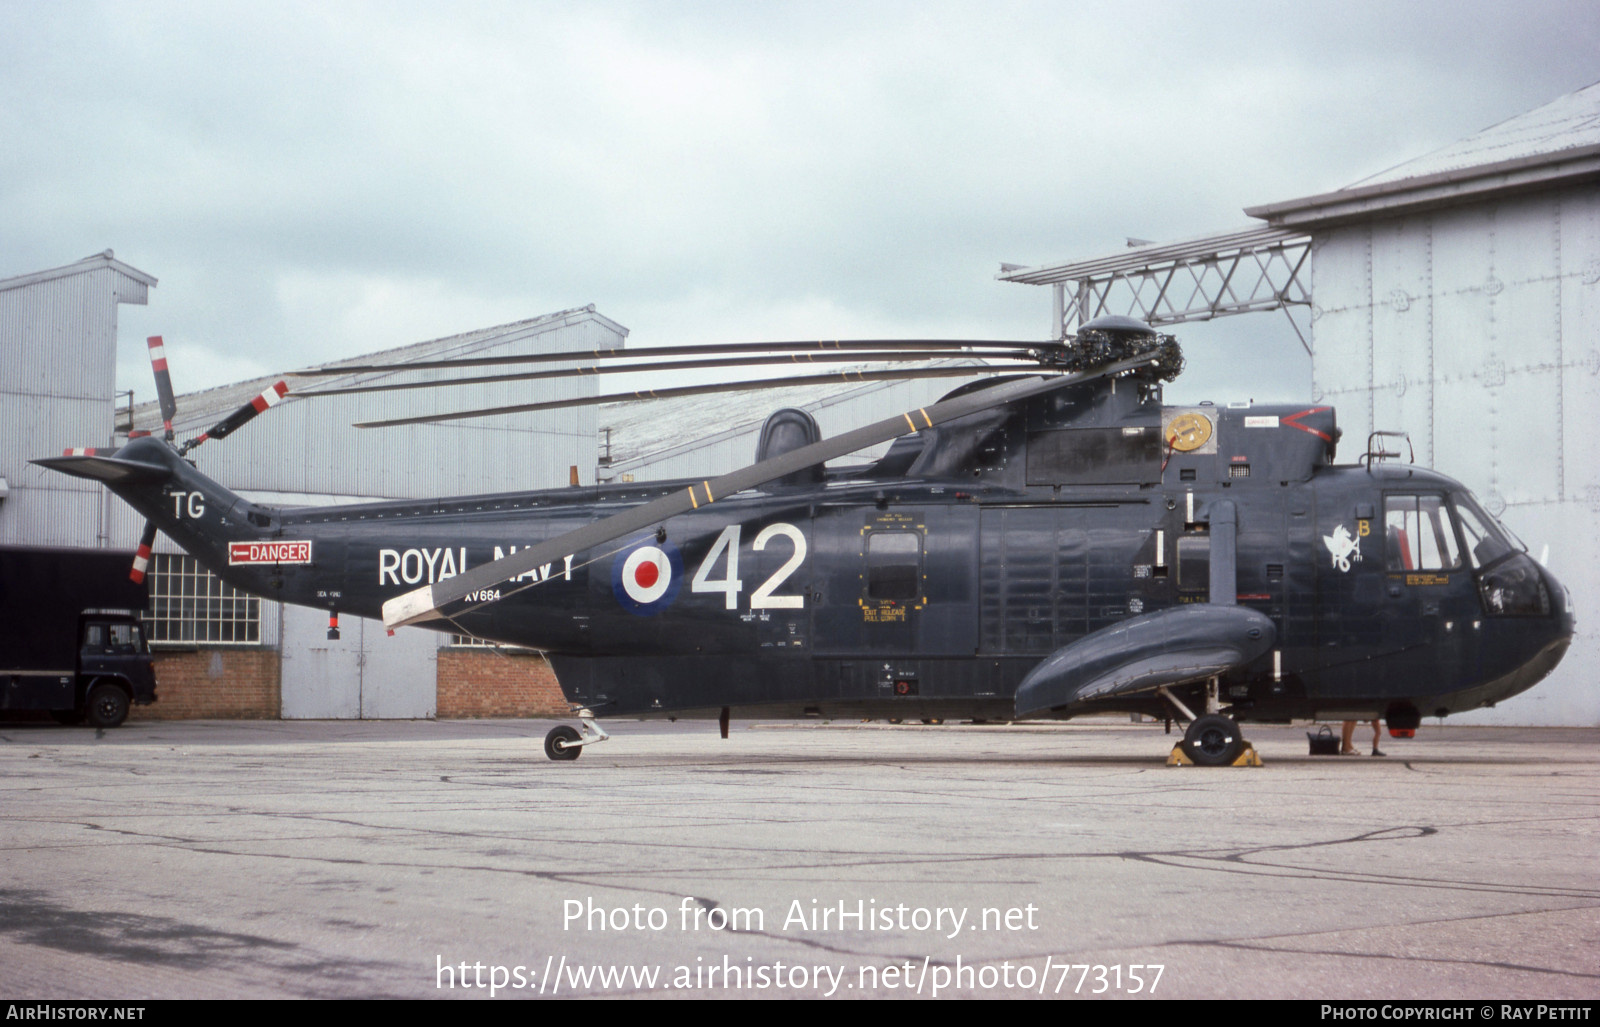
(1248, 758)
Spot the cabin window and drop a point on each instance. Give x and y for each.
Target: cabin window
(100, 638)
(1419, 534)
(124, 638)
(894, 564)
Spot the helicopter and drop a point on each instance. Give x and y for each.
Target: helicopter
(1044, 543)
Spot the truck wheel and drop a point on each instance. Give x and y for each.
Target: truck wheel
(107, 706)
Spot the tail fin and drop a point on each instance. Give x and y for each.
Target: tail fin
(194, 511)
(111, 469)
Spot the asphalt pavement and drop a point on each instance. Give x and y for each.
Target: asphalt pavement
(453, 860)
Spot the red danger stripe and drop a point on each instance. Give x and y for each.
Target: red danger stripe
(270, 397)
(1293, 421)
(269, 552)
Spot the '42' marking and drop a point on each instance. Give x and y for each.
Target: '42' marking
(726, 550)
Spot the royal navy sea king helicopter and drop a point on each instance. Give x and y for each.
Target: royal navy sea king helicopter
(1044, 543)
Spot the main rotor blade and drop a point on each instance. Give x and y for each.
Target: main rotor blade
(967, 371)
(699, 349)
(158, 364)
(663, 365)
(425, 603)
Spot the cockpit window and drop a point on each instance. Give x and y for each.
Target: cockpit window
(1486, 541)
(1420, 535)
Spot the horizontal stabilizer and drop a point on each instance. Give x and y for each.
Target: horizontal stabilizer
(1168, 647)
(112, 470)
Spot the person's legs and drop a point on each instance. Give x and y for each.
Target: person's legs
(1376, 734)
(1347, 736)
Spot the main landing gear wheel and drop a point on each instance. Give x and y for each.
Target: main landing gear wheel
(558, 744)
(1213, 741)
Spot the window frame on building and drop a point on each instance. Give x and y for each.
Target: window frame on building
(190, 606)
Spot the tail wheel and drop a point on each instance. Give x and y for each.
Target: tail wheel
(559, 744)
(107, 706)
(1213, 741)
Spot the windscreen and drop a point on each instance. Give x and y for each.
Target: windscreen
(1487, 540)
(1509, 582)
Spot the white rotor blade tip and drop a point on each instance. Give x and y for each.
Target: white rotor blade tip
(416, 605)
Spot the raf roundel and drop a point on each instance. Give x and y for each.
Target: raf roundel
(646, 579)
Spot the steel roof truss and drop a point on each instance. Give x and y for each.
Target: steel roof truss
(1245, 280)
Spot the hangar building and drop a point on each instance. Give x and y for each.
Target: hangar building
(58, 362)
(221, 653)
(1455, 297)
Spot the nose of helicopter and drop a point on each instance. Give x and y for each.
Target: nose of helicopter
(1560, 604)
(1543, 645)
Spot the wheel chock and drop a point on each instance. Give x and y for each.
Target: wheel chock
(1248, 758)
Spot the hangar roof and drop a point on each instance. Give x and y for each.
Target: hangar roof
(1556, 144)
(1251, 238)
(198, 410)
(1568, 123)
(647, 432)
(87, 264)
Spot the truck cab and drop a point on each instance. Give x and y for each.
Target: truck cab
(114, 669)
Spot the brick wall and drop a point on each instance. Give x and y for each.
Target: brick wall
(243, 684)
(489, 683)
(232, 684)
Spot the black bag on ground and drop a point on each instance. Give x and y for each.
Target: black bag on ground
(1324, 742)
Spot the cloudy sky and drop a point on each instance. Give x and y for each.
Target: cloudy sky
(317, 180)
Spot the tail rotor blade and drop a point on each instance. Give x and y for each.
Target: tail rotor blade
(158, 363)
(242, 416)
(141, 559)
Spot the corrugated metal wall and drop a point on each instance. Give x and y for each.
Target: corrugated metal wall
(58, 341)
(1477, 330)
